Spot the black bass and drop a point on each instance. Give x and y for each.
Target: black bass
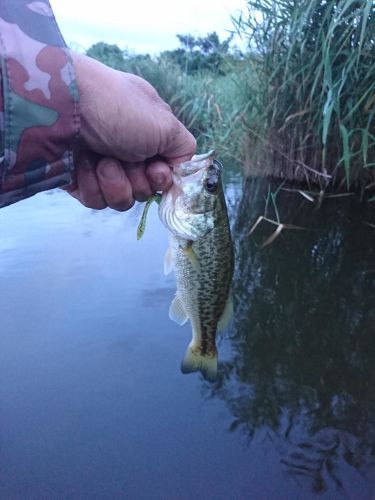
(201, 254)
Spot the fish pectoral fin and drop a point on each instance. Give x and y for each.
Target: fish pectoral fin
(177, 312)
(191, 255)
(168, 261)
(226, 316)
(195, 361)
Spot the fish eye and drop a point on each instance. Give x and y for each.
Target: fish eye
(211, 185)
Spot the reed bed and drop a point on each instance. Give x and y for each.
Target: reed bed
(209, 105)
(299, 104)
(311, 97)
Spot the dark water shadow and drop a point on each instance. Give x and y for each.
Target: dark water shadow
(302, 367)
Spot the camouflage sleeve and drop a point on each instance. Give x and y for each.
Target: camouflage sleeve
(39, 115)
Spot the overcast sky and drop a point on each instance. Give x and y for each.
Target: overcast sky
(144, 26)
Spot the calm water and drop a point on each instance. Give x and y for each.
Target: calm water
(92, 401)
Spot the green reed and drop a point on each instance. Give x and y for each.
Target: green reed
(311, 97)
(209, 105)
(298, 105)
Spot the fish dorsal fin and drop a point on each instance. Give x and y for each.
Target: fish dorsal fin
(177, 312)
(168, 261)
(226, 316)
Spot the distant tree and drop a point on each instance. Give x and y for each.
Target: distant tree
(211, 44)
(111, 55)
(200, 53)
(188, 42)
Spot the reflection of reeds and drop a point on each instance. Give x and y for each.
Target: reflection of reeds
(312, 95)
(302, 340)
(271, 196)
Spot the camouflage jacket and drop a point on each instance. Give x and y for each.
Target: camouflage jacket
(39, 115)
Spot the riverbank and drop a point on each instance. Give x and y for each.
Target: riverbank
(298, 105)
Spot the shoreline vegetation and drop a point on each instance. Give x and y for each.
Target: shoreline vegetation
(298, 105)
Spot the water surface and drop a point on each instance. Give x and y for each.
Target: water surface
(92, 401)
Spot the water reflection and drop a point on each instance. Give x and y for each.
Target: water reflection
(302, 367)
(92, 401)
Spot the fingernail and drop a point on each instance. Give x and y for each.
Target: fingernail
(110, 171)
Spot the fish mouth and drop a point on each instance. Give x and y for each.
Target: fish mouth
(204, 156)
(201, 168)
(199, 163)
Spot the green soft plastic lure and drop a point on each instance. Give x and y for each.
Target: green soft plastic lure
(142, 223)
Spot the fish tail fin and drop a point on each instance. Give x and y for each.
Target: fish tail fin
(195, 361)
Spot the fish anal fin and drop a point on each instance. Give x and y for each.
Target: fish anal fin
(195, 361)
(226, 316)
(168, 261)
(177, 312)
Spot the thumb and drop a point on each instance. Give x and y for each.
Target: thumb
(180, 144)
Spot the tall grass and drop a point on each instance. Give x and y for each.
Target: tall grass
(209, 105)
(300, 104)
(311, 112)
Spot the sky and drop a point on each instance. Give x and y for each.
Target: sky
(142, 26)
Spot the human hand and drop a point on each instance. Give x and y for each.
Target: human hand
(129, 138)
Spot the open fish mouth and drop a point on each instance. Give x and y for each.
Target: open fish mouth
(198, 162)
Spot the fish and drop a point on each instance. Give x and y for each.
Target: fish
(194, 211)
